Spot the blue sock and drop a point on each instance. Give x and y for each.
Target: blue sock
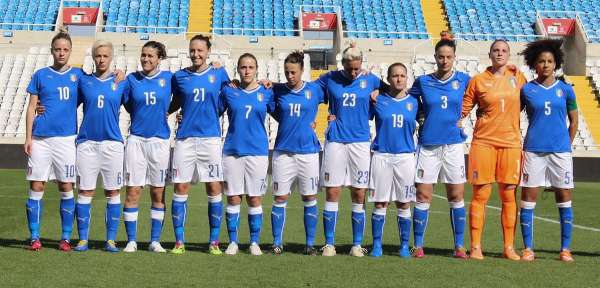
(158, 217)
(67, 211)
(330, 214)
(215, 213)
(311, 216)
(420, 218)
(178, 214)
(565, 212)
(112, 216)
(255, 222)
(358, 223)
(33, 207)
(130, 216)
(458, 217)
(526, 219)
(84, 215)
(278, 222)
(377, 225)
(404, 226)
(233, 222)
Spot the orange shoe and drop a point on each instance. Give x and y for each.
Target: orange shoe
(528, 255)
(511, 254)
(565, 256)
(476, 253)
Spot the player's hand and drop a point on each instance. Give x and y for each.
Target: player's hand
(235, 83)
(27, 147)
(179, 117)
(374, 95)
(331, 117)
(216, 64)
(39, 108)
(512, 67)
(313, 125)
(460, 124)
(119, 75)
(266, 83)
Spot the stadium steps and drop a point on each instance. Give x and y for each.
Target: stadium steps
(323, 110)
(80, 45)
(587, 104)
(434, 16)
(200, 18)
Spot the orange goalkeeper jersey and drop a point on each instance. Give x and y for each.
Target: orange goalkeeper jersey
(498, 107)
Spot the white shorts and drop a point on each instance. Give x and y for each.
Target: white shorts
(547, 170)
(443, 163)
(245, 175)
(52, 158)
(392, 178)
(104, 157)
(288, 167)
(197, 160)
(146, 161)
(346, 164)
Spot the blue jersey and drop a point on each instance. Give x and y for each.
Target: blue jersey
(547, 112)
(147, 102)
(441, 102)
(198, 94)
(395, 124)
(296, 110)
(246, 110)
(102, 99)
(349, 100)
(57, 92)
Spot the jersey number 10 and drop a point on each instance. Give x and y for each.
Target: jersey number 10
(63, 93)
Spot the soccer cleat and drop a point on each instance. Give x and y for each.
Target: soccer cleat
(178, 249)
(404, 251)
(232, 249)
(565, 256)
(528, 255)
(476, 253)
(357, 251)
(511, 254)
(130, 247)
(156, 247)
(328, 250)
(82, 246)
(377, 251)
(111, 246)
(255, 249)
(310, 251)
(277, 250)
(213, 249)
(64, 246)
(460, 253)
(35, 245)
(418, 252)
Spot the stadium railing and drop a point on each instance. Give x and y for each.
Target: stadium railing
(376, 34)
(28, 26)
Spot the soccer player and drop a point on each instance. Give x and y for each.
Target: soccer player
(100, 145)
(296, 152)
(393, 162)
(245, 152)
(346, 155)
(197, 154)
(547, 159)
(495, 154)
(441, 153)
(50, 139)
(147, 149)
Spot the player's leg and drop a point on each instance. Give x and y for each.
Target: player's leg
(561, 179)
(377, 225)
(233, 173)
(333, 174)
(210, 170)
(533, 176)
(158, 166)
(380, 190)
(182, 172)
(136, 168)
(255, 183)
(88, 167)
(112, 218)
(284, 172)
(403, 194)
(403, 220)
(359, 159)
(308, 186)
(157, 196)
(215, 214)
(64, 154)
(453, 175)
(39, 164)
(508, 174)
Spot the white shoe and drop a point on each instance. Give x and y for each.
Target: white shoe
(255, 249)
(358, 251)
(328, 250)
(155, 247)
(131, 247)
(232, 249)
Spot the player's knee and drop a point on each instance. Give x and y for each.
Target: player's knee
(281, 198)
(254, 201)
(401, 205)
(563, 195)
(87, 193)
(181, 188)
(109, 193)
(65, 186)
(380, 205)
(308, 198)
(214, 188)
(234, 200)
(36, 186)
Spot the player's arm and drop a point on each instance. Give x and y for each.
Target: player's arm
(573, 115)
(33, 100)
(469, 99)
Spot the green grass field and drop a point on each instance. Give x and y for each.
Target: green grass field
(95, 268)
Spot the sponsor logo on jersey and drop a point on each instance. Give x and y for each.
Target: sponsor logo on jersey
(307, 94)
(559, 93)
(260, 97)
(455, 85)
(513, 82)
(73, 78)
(113, 86)
(212, 78)
(363, 84)
(409, 106)
(161, 82)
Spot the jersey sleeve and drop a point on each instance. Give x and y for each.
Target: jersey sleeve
(416, 90)
(376, 82)
(34, 87)
(224, 77)
(270, 97)
(222, 103)
(79, 92)
(322, 83)
(470, 98)
(571, 99)
(127, 98)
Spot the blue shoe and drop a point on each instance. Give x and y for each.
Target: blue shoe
(376, 251)
(404, 251)
(82, 246)
(111, 246)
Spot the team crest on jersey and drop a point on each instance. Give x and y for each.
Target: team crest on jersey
(475, 175)
(73, 78)
(409, 106)
(363, 84)
(455, 85)
(113, 86)
(275, 186)
(513, 82)
(559, 93)
(260, 97)
(212, 78)
(525, 177)
(161, 82)
(307, 94)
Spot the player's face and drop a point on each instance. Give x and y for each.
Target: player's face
(149, 59)
(61, 51)
(352, 67)
(444, 58)
(247, 70)
(545, 65)
(397, 78)
(102, 59)
(198, 52)
(499, 54)
(293, 73)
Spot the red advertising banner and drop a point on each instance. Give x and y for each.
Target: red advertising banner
(319, 21)
(80, 16)
(561, 27)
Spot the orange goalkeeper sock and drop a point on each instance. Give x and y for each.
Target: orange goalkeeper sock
(509, 214)
(481, 194)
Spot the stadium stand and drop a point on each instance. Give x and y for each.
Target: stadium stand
(35, 15)
(146, 16)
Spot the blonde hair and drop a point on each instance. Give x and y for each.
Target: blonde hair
(102, 43)
(352, 53)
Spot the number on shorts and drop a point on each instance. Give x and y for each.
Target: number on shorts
(119, 178)
(213, 170)
(444, 102)
(314, 183)
(163, 175)
(567, 177)
(199, 94)
(363, 177)
(294, 110)
(69, 171)
(63, 93)
(248, 109)
(349, 99)
(409, 192)
(100, 101)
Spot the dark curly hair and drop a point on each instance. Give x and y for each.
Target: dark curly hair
(296, 57)
(533, 50)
